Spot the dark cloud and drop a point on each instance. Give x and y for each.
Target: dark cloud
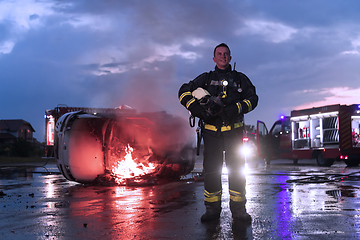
(112, 65)
(33, 16)
(307, 12)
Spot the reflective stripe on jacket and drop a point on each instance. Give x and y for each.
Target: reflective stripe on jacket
(223, 128)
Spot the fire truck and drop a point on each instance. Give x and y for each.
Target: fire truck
(118, 144)
(328, 133)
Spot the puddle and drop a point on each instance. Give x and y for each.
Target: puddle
(26, 171)
(344, 191)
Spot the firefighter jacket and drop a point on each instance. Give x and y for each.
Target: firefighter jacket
(232, 87)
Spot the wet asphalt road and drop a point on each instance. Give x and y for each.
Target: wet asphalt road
(38, 203)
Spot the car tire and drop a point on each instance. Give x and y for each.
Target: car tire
(324, 162)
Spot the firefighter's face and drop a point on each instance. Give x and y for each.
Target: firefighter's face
(222, 57)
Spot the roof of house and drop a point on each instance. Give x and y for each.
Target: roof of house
(13, 125)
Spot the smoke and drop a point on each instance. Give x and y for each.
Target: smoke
(160, 131)
(144, 93)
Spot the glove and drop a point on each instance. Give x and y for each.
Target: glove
(206, 116)
(215, 106)
(231, 111)
(198, 111)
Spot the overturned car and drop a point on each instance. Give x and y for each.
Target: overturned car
(122, 147)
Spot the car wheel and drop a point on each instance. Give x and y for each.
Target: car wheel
(324, 162)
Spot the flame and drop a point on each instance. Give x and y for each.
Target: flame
(130, 167)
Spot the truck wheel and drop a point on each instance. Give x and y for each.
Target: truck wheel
(352, 163)
(324, 162)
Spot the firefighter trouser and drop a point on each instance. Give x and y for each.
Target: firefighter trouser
(214, 145)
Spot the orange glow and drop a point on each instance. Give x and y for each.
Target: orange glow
(130, 167)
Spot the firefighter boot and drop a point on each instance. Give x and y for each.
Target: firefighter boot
(239, 213)
(213, 211)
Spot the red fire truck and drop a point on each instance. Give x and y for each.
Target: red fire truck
(328, 133)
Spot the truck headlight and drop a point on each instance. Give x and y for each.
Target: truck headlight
(246, 150)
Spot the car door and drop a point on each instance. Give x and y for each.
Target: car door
(261, 139)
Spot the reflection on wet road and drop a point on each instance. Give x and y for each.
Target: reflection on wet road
(286, 201)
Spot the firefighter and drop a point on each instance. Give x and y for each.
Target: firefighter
(226, 96)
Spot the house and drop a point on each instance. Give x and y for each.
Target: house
(11, 129)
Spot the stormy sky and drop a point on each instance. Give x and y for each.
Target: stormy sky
(110, 53)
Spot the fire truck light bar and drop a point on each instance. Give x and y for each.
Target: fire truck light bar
(300, 118)
(328, 114)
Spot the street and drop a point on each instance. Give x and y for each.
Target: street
(286, 201)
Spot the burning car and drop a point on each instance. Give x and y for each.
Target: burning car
(122, 147)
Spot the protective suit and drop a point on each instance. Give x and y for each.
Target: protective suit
(220, 99)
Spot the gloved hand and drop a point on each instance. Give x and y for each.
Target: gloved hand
(231, 111)
(198, 111)
(206, 116)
